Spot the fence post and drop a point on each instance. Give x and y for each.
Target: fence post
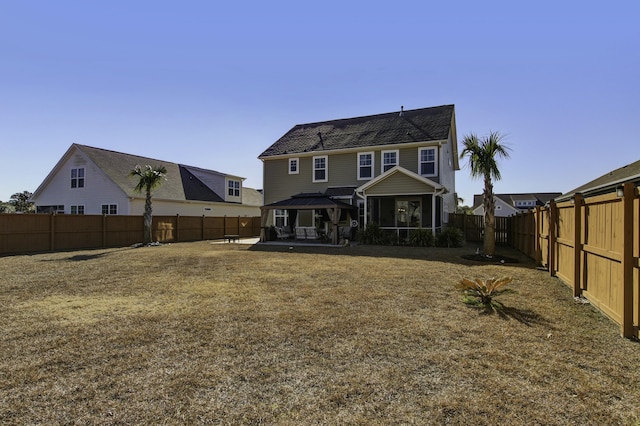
(627, 260)
(553, 218)
(537, 247)
(238, 233)
(52, 229)
(104, 230)
(202, 229)
(577, 245)
(177, 237)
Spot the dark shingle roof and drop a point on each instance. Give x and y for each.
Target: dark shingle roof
(607, 182)
(183, 182)
(340, 191)
(418, 125)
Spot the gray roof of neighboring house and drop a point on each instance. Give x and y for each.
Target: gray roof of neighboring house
(418, 125)
(608, 182)
(252, 197)
(541, 198)
(183, 182)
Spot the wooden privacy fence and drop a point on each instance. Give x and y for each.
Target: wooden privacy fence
(29, 233)
(473, 227)
(593, 245)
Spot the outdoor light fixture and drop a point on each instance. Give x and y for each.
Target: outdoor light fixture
(620, 191)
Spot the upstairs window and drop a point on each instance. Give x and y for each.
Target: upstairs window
(365, 165)
(293, 166)
(389, 160)
(234, 188)
(109, 209)
(77, 178)
(320, 173)
(427, 162)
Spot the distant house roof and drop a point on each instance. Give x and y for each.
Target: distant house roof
(607, 182)
(418, 125)
(252, 197)
(541, 198)
(183, 182)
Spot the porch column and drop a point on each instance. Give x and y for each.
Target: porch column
(335, 218)
(264, 214)
(433, 214)
(366, 210)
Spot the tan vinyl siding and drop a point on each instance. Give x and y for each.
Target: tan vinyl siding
(278, 183)
(409, 160)
(399, 184)
(342, 170)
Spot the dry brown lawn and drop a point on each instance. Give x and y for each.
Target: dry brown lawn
(200, 333)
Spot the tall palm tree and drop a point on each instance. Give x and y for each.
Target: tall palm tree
(483, 164)
(150, 178)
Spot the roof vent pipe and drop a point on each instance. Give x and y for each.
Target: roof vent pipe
(401, 110)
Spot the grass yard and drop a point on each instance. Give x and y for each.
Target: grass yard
(200, 333)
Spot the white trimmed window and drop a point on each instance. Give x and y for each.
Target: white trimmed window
(79, 209)
(428, 161)
(294, 168)
(365, 165)
(109, 209)
(389, 159)
(77, 178)
(234, 188)
(320, 169)
(281, 217)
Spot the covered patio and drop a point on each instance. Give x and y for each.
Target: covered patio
(329, 209)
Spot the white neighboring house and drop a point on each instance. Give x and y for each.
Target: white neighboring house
(511, 204)
(88, 180)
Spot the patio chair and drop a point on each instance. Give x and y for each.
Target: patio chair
(300, 234)
(312, 233)
(283, 233)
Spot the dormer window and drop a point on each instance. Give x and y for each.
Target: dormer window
(234, 188)
(77, 178)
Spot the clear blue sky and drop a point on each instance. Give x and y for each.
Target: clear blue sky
(212, 85)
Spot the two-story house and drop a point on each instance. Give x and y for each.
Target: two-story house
(88, 180)
(396, 169)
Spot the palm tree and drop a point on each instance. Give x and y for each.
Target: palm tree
(483, 164)
(150, 178)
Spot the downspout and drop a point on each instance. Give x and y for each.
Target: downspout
(366, 206)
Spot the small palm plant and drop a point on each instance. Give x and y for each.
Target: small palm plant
(482, 292)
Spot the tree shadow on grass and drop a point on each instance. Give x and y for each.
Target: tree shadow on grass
(81, 257)
(97, 254)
